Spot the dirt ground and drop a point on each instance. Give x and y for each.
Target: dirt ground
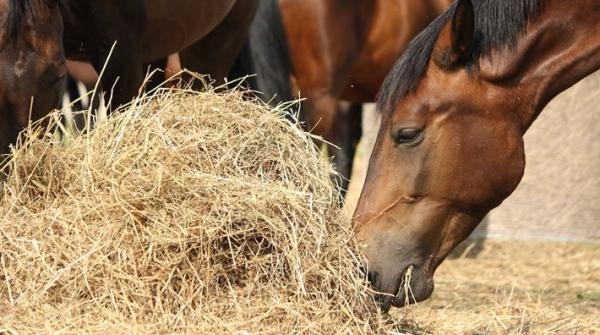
(513, 287)
(518, 284)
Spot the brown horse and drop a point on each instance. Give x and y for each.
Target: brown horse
(209, 33)
(213, 55)
(32, 64)
(336, 50)
(454, 110)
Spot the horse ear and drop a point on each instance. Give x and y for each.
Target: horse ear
(454, 43)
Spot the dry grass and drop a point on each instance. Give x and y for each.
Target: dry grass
(188, 212)
(515, 288)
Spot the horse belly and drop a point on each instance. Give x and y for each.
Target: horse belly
(174, 25)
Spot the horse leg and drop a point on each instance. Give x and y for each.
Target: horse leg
(325, 39)
(345, 134)
(169, 67)
(123, 67)
(123, 75)
(81, 80)
(172, 68)
(340, 125)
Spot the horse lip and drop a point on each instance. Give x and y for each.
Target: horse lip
(404, 282)
(385, 301)
(402, 297)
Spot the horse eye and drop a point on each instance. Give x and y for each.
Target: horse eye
(408, 136)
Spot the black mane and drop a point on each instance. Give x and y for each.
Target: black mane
(17, 17)
(498, 23)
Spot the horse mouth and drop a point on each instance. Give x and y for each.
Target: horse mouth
(404, 295)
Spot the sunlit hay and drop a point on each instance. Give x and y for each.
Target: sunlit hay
(405, 286)
(186, 212)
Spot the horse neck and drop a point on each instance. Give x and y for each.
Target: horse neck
(559, 48)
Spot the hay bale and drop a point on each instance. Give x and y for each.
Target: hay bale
(187, 212)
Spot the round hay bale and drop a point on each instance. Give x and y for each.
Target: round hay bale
(186, 212)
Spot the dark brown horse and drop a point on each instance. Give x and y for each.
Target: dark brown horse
(454, 110)
(32, 64)
(332, 50)
(209, 35)
(213, 55)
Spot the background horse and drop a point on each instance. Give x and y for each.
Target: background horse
(209, 34)
(454, 110)
(32, 64)
(327, 50)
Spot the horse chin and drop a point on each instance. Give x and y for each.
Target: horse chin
(411, 297)
(414, 286)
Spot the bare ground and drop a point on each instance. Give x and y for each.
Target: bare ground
(514, 287)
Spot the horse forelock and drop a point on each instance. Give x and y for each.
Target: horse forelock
(498, 24)
(19, 11)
